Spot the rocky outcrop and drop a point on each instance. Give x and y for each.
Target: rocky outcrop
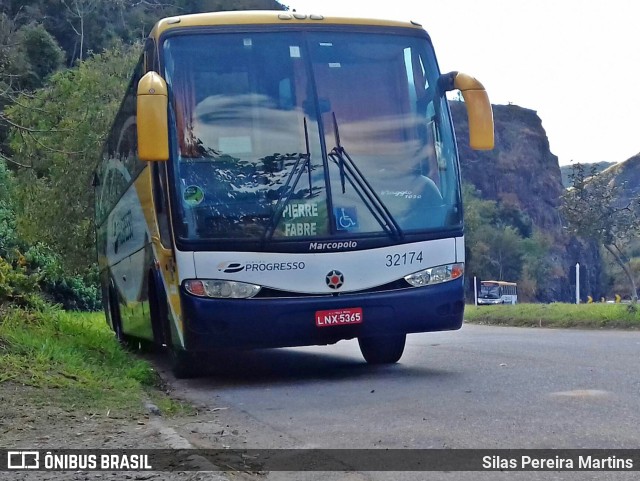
(626, 176)
(567, 171)
(522, 171)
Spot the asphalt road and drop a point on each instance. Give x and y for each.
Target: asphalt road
(480, 387)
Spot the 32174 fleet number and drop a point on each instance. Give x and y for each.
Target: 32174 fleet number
(407, 258)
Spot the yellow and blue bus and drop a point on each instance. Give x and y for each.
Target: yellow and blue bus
(277, 179)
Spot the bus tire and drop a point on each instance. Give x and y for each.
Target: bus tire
(382, 349)
(183, 364)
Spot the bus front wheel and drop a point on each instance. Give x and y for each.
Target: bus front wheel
(382, 349)
(183, 363)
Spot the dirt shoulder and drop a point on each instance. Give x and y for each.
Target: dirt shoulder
(32, 419)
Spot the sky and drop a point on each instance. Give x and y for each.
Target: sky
(575, 62)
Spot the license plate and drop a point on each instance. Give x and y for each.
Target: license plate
(339, 317)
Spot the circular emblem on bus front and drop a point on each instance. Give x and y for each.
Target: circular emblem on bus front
(335, 279)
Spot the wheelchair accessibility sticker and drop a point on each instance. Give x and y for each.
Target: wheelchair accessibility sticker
(346, 218)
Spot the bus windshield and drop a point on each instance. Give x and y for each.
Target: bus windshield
(488, 291)
(294, 136)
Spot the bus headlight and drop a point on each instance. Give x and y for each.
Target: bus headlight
(221, 289)
(435, 275)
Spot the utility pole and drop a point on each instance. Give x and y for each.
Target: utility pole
(577, 283)
(475, 289)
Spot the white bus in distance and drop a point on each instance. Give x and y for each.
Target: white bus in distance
(497, 292)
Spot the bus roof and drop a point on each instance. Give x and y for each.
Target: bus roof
(265, 17)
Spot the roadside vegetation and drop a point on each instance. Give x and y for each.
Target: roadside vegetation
(502, 243)
(598, 207)
(73, 360)
(587, 316)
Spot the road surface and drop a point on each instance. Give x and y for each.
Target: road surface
(480, 387)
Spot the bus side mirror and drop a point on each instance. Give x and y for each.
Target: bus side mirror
(152, 119)
(478, 108)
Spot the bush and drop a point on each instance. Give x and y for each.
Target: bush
(31, 279)
(31, 275)
(17, 286)
(74, 293)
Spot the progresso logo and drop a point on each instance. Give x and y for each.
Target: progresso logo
(230, 267)
(233, 267)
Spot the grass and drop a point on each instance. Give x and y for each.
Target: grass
(74, 360)
(588, 316)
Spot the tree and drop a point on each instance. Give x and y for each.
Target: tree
(502, 243)
(57, 137)
(80, 11)
(84, 26)
(536, 265)
(594, 209)
(493, 248)
(42, 53)
(8, 239)
(497, 253)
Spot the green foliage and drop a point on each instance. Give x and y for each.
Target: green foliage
(557, 315)
(36, 278)
(510, 215)
(53, 131)
(501, 244)
(536, 265)
(8, 239)
(594, 209)
(28, 55)
(17, 286)
(67, 123)
(72, 292)
(42, 54)
(27, 279)
(82, 27)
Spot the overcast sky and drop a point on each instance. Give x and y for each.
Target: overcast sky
(575, 62)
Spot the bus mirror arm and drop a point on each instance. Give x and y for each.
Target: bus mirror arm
(446, 82)
(480, 114)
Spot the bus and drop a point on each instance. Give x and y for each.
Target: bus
(497, 292)
(276, 179)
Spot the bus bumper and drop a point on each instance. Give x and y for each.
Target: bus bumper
(285, 322)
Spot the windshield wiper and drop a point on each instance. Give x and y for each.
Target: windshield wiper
(349, 171)
(289, 187)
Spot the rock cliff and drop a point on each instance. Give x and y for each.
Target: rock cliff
(522, 171)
